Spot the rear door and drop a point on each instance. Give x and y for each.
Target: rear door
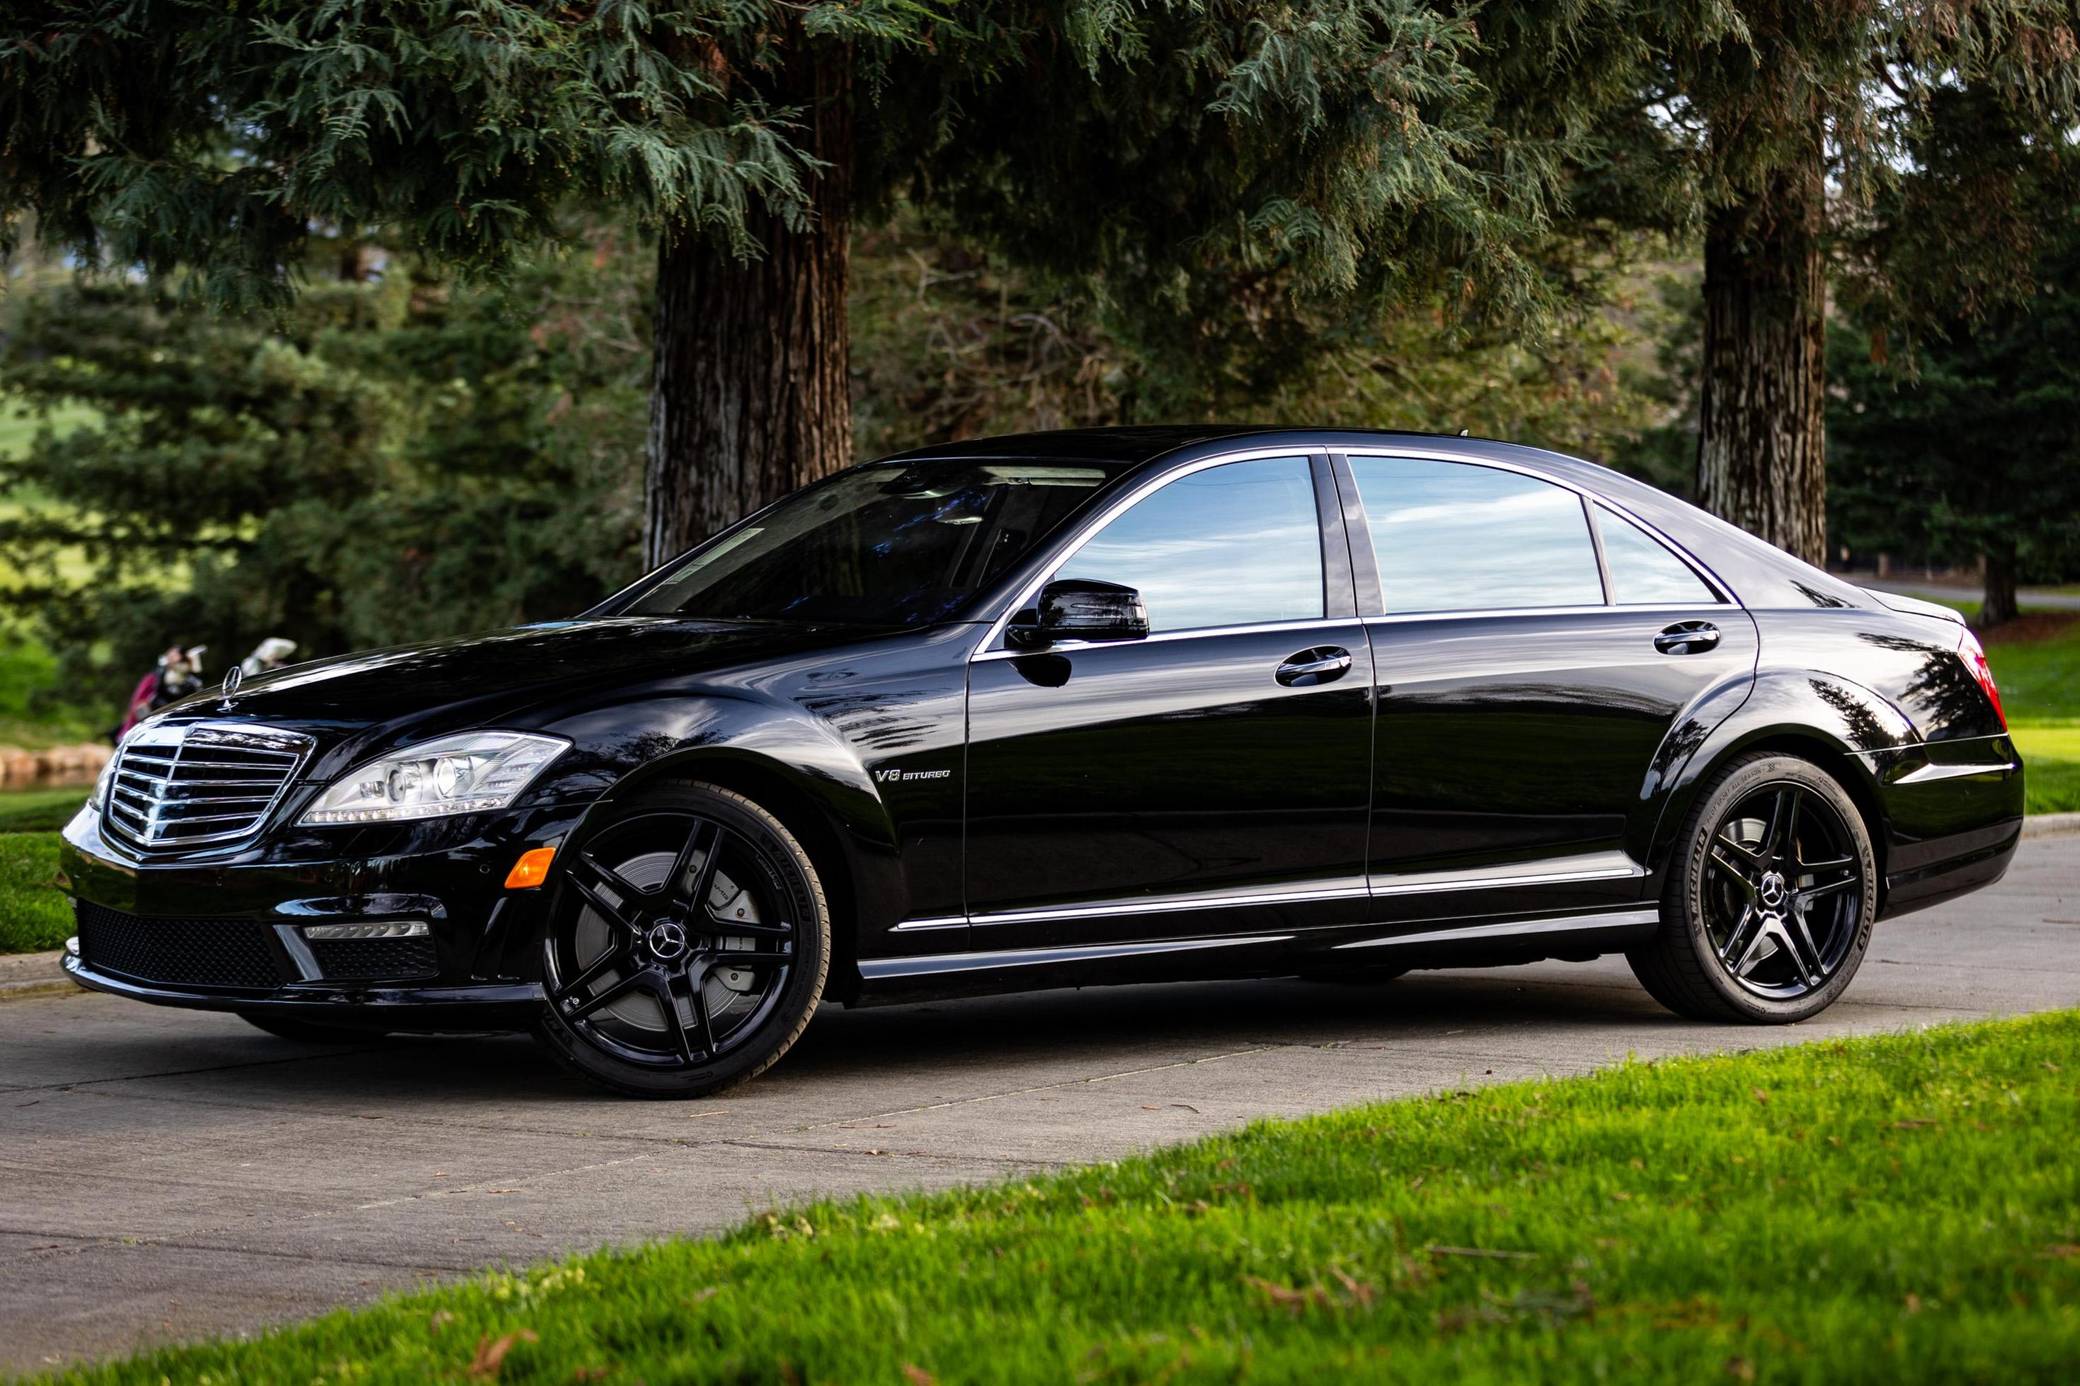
(1540, 658)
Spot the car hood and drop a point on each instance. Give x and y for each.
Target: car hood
(519, 677)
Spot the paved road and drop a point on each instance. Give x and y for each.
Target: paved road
(2028, 598)
(165, 1174)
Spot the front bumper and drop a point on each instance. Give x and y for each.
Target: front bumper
(477, 1006)
(225, 930)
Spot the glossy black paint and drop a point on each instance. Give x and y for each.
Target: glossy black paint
(1477, 787)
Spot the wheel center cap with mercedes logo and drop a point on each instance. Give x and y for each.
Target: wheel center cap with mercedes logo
(1774, 891)
(666, 940)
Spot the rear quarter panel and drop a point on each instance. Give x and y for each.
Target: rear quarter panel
(1882, 701)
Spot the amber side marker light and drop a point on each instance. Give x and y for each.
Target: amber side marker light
(531, 870)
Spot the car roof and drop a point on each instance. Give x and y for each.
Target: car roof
(1137, 443)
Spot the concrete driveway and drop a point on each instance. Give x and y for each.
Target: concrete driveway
(165, 1175)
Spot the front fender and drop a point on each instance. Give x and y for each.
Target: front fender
(741, 741)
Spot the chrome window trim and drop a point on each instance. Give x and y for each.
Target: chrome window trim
(1526, 928)
(1590, 500)
(988, 647)
(1675, 551)
(1502, 611)
(1095, 526)
(1159, 637)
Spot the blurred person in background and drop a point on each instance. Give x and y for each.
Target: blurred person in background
(177, 674)
(269, 655)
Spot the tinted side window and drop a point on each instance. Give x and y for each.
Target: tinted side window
(1643, 571)
(1451, 536)
(1230, 546)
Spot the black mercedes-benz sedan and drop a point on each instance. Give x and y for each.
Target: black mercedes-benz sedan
(1071, 708)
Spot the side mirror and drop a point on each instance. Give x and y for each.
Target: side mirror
(1080, 609)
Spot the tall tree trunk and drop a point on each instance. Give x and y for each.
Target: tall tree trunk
(1761, 448)
(1998, 605)
(749, 382)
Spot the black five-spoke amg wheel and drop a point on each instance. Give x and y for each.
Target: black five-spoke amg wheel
(687, 948)
(1769, 907)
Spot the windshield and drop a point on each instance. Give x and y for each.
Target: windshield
(893, 544)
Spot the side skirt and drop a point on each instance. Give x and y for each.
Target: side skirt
(1264, 954)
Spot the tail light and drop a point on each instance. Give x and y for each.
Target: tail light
(1974, 657)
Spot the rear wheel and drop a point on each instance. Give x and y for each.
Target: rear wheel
(687, 946)
(1770, 903)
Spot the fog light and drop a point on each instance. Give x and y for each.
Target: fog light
(531, 870)
(399, 928)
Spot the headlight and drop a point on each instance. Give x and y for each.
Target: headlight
(108, 772)
(456, 774)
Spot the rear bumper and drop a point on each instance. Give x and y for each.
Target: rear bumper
(1959, 864)
(227, 931)
(1953, 811)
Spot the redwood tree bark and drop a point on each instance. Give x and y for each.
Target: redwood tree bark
(1761, 453)
(749, 380)
(1999, 604)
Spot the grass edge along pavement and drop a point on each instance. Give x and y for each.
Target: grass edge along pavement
(1899, 1207)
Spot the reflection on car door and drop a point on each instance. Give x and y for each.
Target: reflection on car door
(1520, 712)
(1181, 784)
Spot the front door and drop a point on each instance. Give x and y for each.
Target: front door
(1211, 778)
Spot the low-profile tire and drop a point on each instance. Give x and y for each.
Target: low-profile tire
(687, 945)
(307, 1032)
(1772, 892)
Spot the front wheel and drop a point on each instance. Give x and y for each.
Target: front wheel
(687, 945)
(1770, 900)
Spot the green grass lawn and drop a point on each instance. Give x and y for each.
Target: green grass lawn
(2039, 679)
(1898, 1209)
(40, 810)
(33, 915)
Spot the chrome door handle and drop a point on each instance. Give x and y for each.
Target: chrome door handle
(1687, 637)
(1323, 664)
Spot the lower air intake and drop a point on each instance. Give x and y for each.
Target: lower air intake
(181, 952)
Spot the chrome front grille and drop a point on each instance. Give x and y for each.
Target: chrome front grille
(200, 784)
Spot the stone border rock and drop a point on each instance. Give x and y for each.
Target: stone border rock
(55, 766)
(33, 974)
(2050, 824)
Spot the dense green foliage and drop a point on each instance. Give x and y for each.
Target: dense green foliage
(1898, 1208)
(36, 709)
(1351, 146)
(383, 462)
(1965, 450)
